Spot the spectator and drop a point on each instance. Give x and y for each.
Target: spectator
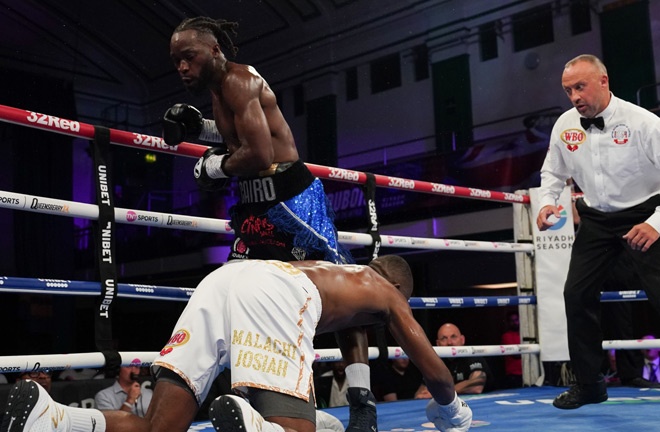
(399, 379)
(471, 374)
(512, 363)
(331, 387)
(610, 369)
(80, 374)
(651, 363)
(126, 394)
(43, 377)
(628, 365)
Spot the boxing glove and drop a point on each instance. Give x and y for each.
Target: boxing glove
(209, 169)
(454, 417)
(181, 121)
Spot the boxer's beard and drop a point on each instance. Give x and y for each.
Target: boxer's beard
(203, 81)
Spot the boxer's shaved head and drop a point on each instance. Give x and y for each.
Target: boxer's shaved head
(396, 270)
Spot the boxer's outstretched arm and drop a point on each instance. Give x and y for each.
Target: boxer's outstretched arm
(412, 339)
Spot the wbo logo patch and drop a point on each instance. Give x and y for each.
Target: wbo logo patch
(573, 138)
(180, 337)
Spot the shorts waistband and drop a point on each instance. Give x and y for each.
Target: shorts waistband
(280, 186)
(276, 168)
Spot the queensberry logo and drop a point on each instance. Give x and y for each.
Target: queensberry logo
(562, 220)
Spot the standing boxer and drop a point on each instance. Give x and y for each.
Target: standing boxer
(283, 212)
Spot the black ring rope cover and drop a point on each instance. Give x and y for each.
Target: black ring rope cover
(105, 242)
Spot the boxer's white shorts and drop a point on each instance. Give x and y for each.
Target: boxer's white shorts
(257, 318)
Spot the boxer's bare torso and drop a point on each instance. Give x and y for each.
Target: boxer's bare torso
(360, 295)
(244, 106)
(351, 294)
(246, 113)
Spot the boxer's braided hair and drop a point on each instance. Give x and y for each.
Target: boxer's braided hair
(219, 28)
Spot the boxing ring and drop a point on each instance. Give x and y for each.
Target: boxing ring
(516, 409)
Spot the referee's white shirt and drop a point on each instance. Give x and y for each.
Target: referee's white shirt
(616, 168)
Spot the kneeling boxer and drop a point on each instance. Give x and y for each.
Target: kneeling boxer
(259, 319)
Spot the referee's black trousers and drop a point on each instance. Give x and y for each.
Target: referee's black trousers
(598, 244)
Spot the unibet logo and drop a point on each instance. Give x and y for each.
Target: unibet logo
(561, 221)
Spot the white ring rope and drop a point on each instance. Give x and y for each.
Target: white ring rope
(59, 207)
(60, 362)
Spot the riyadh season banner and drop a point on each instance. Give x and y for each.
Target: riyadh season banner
(552, 249)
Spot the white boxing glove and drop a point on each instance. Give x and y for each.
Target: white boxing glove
(454, 417)
(209, 170)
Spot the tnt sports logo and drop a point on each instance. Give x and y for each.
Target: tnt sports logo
(131, 216)
(561, 221)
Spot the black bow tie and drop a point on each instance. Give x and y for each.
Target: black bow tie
(596, 121)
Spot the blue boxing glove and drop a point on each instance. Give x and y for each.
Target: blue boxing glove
(209, 170)
(454, 417)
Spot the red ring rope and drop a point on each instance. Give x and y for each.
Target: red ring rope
(132, 139)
